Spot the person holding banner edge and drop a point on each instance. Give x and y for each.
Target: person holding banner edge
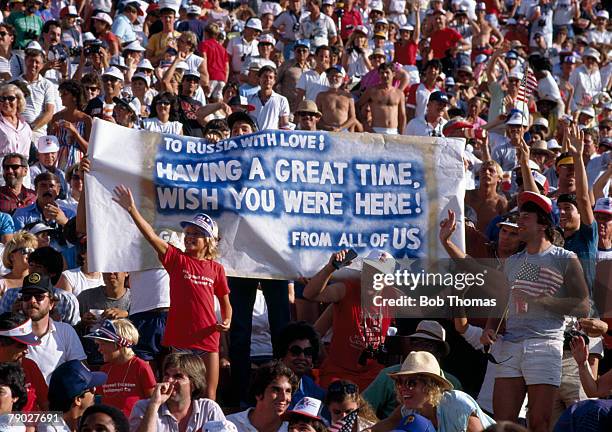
(194, 277)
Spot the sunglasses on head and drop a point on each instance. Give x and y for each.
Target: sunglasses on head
(39, 297)
(8, 98)
(342, 388)
(297, 350)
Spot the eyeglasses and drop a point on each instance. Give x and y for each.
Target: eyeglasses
(342, 388)
(39, 297)
(92, 89)
(8, 98)
(3, 33)
(24, 250)
(12, 167)
(296, 351)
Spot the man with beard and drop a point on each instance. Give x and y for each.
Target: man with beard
(178, 400)
(337, 105)
(272, 388)
(298, 349)
(432, 122)
(59, 342)
(45, 208)
(13, 194)
(15, 338)
(386, 104)
(307, 116)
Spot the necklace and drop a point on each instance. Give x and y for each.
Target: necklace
(129, 364)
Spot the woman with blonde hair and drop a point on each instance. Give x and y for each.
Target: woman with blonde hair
(356, 58)
(129, 377)
(15, 132)
(15, 258)
(342, 398)
(422, 389)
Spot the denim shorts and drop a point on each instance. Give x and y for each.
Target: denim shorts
(151, 326)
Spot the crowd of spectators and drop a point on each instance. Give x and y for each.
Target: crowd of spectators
(527, 85)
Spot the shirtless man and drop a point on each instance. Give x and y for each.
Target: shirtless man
(486, 201)
(386, 104)
(482, 31)
(337, 105)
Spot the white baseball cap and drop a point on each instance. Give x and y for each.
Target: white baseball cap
(47, 144)
(103, 16)
(254, 23)
(145, 64)
(603, 14)
(34, 46)
(266, 38)
(113, 72)
(517, 117)
(194, 10)
(142, 77)
(134, 46)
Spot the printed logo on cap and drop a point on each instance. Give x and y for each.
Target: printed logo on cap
(34, 278)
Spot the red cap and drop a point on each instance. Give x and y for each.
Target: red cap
(453, 126)
(540, 200)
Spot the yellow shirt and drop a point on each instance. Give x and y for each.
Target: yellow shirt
(159, 42)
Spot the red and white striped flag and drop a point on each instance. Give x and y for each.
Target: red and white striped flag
(346, 424)
(536, 281)
(528, 85)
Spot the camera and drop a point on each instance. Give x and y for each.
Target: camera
(570, 334)
(92, 49)
(74, 51)
(57, 53)
(30, 34)
(379, 354)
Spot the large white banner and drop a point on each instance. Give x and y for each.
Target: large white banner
(284, 200)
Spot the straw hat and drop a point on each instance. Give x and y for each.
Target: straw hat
(423, 363)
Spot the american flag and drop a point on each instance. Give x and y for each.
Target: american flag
(346, 424)
(528, 84)
(537, 281)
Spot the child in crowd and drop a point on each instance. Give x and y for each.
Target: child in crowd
(194, 278)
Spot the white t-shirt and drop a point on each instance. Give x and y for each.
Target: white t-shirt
(42, 92)
(418, 126)
(59, 345)
(318, 31)
(268, 115)
(313, 83)
(79, 282)
(243, 424)
(170, 127)
(239, 49)
(150, 289)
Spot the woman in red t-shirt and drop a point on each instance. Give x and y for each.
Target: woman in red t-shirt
(130, 378)
(195, 277)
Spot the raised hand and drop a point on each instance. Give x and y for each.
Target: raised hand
(123, 197)
(447, 227)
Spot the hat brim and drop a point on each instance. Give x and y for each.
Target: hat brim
(29, 339)
(418, 335)
(119, 101)
(243, 117)
(185, 224)
(535, 199)
(94, 335)
(97, 379)
(289, 414)
(446, 384)
(606, 212)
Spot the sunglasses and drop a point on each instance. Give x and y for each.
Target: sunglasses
(163, 102)
(409, 383)
(307, 114)
(296, 351)
(92, 89)
(490, 357)
(3, 33)
(13, 167)
(8, 98)
(90, 390)
(110, 79)
(39, 297)
(25, 250)
(340, 388)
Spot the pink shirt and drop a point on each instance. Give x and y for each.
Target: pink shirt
(15, 140)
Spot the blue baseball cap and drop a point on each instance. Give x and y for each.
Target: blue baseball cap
(414, 423)
(512, 55)
(205, 223)
(302, 42)
(72, 379)
(439, 96)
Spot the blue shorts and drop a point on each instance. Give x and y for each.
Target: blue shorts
(151, 326)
